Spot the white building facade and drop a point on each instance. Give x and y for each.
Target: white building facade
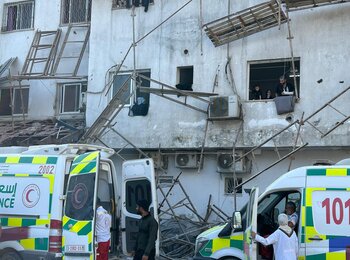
(173, 48)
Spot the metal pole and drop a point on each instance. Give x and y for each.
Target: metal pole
(172, 211)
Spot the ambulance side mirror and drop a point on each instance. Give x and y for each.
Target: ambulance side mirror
(236, 220)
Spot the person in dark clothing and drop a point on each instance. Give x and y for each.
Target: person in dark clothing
(284, 88)
(256, 93)
(269, 94)
(145, 247)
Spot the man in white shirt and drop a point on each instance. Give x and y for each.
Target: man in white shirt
(284, 240)
(103, 233)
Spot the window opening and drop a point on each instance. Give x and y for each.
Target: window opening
(231, 183)
(72, 97)
(185, 78)
(76, 11)
(5, 101)
(18, 16)
(120, 4)
(137, 190)
(80, 197)
(140, 103)
(266, 75)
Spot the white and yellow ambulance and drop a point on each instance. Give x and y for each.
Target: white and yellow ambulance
(322, 198)
(48, 200)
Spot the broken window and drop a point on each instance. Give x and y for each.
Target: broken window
(230, 185)
(119, 4)
(76, 11)
(139, 103)
(185, 78)
(73, 97)
(18, 16)
(20, 101)
(266, 75)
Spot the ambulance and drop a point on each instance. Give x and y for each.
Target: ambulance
(322, 198)
(48, 200)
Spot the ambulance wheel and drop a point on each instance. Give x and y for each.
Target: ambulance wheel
(10, 255)
(229, 258)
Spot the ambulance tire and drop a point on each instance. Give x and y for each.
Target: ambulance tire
(10, 255)
(229, 258)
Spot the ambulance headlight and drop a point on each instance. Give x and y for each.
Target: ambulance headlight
(200, 244)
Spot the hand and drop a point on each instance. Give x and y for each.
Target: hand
(145, 257)
(253, 234)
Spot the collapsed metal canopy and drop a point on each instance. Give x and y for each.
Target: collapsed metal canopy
(4, 67)
(245, 22)
(19, 133)
(301, 4)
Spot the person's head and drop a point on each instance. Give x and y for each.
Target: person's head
(290, 208)
(257, 87)
(282, 219)
(282, 79)
(142, 206)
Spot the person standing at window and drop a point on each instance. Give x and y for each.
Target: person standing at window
(269, 94)
(284, 88)
(256, 93)
(103, 233)
(145, 247)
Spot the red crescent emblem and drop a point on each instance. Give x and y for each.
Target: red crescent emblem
(27, 195)
(76, 195)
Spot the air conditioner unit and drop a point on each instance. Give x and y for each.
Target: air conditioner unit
(225, 162)
(187, 160)
(223, 107)
(160, 161)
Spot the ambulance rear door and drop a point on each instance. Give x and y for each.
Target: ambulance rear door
(250, 246)
(78, 218)
(138, 183)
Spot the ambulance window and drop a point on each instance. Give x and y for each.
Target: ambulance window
(281, 205)
(137, 190)
(266, 202)
(80, 195)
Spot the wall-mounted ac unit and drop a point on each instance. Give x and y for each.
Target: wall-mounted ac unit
(225, 162)
(224, 107)
(187, 160)
(160, 161)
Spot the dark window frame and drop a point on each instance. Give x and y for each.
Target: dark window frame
(229, 185)
(79, 102)
(125, 4)
(266, 73)
(14, 16)
(70, 9)
(185, 75)
(15, 102)
(132, 86)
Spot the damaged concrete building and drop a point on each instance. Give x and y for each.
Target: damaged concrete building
(173, 80)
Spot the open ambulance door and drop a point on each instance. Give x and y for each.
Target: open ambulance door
(138, 183)
(250, 246)
(78, 216)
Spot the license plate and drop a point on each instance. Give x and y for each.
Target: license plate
(75, 248)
